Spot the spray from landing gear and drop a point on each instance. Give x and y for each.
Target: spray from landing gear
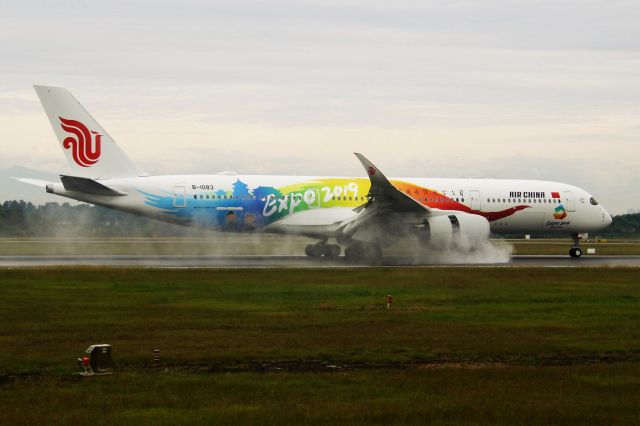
(491, 252)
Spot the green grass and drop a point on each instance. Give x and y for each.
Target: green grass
(603, 394)
(460, 345)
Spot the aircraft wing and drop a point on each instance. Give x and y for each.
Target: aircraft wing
(388, 207)
(384, 194)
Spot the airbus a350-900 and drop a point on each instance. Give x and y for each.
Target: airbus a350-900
(363, 215)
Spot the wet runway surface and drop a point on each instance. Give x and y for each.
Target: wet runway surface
(173, 261)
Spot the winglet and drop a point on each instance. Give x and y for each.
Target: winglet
(382, 190)
(375, 175)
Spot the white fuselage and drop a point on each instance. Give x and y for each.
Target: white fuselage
(300, 203)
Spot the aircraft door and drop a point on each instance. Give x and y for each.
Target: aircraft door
(179, 196)
(569, 201)
(474, 196)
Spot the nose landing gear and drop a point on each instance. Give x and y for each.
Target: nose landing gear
(575, 251)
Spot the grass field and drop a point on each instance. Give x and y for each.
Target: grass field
(465, 345)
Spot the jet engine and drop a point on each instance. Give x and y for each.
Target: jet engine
(457, 231)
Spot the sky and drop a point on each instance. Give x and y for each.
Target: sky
(495, 88)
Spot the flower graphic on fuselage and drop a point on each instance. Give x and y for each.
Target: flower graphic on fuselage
(560, 212)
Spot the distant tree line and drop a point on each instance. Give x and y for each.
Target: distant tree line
(624, 225)
(25, 219)
(20, 218)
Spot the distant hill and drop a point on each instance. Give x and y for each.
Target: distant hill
(11, 189)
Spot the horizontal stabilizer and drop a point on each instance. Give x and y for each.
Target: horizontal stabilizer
(87, 186)
(36, 182)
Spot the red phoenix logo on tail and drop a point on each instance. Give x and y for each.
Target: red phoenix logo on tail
(84, 147)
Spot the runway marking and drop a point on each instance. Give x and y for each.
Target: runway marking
(276, 261)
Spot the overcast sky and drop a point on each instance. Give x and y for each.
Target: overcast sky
(505, 89)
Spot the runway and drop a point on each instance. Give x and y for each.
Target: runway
(173, 261)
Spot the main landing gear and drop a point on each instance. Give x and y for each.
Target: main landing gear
(322, 249)
(363, 253)
(356, 253)
(575, 251)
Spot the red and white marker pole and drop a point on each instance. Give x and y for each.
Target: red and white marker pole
(389, 300)
(156, 358)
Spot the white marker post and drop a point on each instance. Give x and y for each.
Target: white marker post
(389, 300)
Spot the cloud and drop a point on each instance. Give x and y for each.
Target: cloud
(542, 89)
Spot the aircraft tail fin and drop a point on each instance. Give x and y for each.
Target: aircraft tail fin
(90, 151)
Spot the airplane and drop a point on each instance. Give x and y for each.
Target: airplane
(362, 214)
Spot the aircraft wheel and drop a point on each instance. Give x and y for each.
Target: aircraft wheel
(363, 254)
(348, 253)
(575, 252)
(374, 254)
(314, 250)
(332, 251)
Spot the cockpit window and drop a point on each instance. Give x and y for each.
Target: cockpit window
(593, 201)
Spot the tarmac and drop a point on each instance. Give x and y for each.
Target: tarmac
(190, 261)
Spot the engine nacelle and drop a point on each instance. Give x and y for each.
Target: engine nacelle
(460, 231)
